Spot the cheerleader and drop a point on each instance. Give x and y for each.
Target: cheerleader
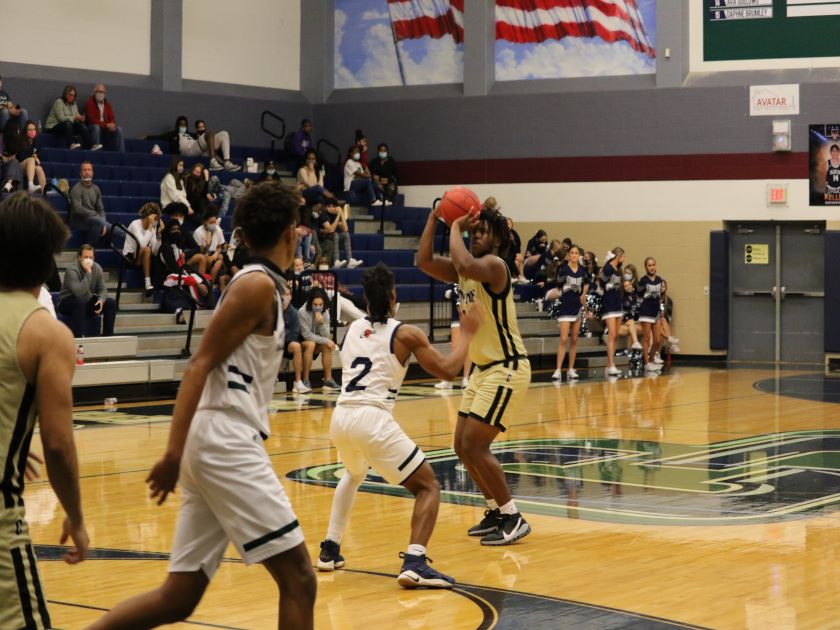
(650, 290)
(630, 305)
(571, 289)
(612, 311)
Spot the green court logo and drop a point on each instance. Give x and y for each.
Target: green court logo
(759, 479)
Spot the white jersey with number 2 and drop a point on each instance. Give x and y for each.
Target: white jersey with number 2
(371, 373)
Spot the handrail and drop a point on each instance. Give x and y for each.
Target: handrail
(268, 131)
(332, 146)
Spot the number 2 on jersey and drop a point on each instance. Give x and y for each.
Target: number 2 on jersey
(353, 385)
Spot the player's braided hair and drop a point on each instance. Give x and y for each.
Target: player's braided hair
(497, 224)
(378, 282)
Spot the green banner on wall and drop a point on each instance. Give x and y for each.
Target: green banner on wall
(770, 29)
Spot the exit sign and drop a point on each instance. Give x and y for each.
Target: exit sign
(777, 194)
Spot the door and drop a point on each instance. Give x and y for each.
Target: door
(776, 304)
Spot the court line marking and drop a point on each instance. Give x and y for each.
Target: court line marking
(192, 623)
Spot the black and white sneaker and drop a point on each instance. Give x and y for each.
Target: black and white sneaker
(416, 573)
(511, 528)
(488, 524)
(330, 558)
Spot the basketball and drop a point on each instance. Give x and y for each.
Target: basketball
(457, 202)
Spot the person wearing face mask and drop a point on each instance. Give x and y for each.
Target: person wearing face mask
(357, 179)
(84, 296)
(630, 306)
(311, 181)
(10, 111)
(206, 142)
(269, 172)
(332, 223)
(186, 243)
(87, 213)
(101, 122)
(211, 242)
(173, 136)
(292, 350)
(315, 330)
(383, 169)
(65, 121)
(237, 254)
(300, 282)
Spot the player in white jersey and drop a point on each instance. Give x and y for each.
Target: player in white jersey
(374, 356)
(230, 490)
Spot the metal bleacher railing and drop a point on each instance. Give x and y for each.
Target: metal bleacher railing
(440, 310)
(274, 136)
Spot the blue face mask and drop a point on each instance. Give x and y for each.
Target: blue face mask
(182, 130)
(383, 154)
(317, 309)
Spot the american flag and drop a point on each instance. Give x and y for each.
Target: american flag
(529, 21)
(412, 19)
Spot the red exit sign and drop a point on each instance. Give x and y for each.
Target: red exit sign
(777, 194)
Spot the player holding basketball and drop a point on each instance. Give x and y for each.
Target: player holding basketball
(375, 355)
(230, 491)
(501, 362)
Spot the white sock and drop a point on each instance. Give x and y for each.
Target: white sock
(343, 499)
(491, 503)
(509, 508)
(148, 281)
(416, 550)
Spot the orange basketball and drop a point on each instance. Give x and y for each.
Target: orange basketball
(457, 202)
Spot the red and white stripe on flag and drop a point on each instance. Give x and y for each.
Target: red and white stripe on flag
(413, 19)
(529, 21)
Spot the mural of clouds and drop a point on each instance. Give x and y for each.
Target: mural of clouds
(366, 53)
(573, 56)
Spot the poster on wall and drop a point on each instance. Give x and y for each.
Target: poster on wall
(550, 39)
(824, 164)
(770, 29)
(382, 43)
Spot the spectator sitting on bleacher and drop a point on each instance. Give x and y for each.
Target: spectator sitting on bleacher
(187, 244)
(172, 189)
(209, 143)
(537, 244)
(360, 140)
(197, 186)
(12, 174)
(211, 243)
(11, 111)
(84, 296)
(300, 281)
(383, 169)
(147, 231)
(333, 221)
(314, 319)
(65, 121)
(346, 309)
(269, 172)
(237, 253)
(302, 141)
(357, 179)
(87, 213)
(30, 161)
(101, 122)
(311, 181)
(291, 339)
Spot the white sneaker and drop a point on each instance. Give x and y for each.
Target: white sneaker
(673, 341)
(651, 367)
(443, 385)
(215, 165)
(556, 376)
(378, 202)
(34, 188)
(636, 346)
(339, 263)
(230, 166)
(353, 263)
(657, 359)
(96, 147)
(522, 280)
(571, 375)
(612, 371)
(301, 388)
(8, 186)
(75, 146)
(389, 203)
(674, 348)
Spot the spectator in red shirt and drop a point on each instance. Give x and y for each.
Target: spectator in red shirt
(101, 122)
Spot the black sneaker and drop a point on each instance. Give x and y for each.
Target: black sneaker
(488, 524)
(416, 573)
(511, 528)
(330, 559)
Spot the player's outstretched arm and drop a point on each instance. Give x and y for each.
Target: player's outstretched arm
(410, 339)
(247, 304)
(51, 367)
(486, 269)
(439, 267)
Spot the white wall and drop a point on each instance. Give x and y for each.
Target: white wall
(110, 35)
(640, 201)
(244, 42)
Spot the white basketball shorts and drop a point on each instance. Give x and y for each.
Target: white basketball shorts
(229, 492)
(367, 436)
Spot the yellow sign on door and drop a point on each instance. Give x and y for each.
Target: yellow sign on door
(757, 254)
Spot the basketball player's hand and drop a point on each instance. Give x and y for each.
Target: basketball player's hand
(33, 468)
(79, 534)
(472, 319)
(163, 478)
(467, 223)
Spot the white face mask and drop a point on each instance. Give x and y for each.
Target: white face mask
(628, 276)
(87, 263)
(87, 179)
(356, 156)
(100, 98)
(383, 154)
(182, 130)
(181, 221)
(323, 267)
(270, 171)
(211, 227)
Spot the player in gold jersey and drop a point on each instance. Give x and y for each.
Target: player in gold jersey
(36, 369)
(501, 363)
